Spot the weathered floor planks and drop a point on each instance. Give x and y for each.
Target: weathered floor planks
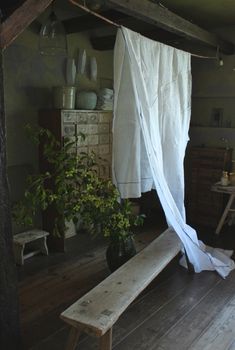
(193, 324)
(157, 324)
(178, 311)
(42, 304)
(220, 334)
(44, 295)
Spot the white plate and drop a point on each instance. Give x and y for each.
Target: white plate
(70, 71)
(81, 64)
(93, 69)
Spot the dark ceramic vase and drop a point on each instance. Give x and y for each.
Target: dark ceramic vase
(119, 252)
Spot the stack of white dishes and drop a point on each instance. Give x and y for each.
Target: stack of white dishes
(105, 99)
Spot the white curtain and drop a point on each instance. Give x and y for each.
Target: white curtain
(152, 105)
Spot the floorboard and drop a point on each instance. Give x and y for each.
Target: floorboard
(45, 293)
(192, 325)
(147, 334)
(220, 334)
(177, 311)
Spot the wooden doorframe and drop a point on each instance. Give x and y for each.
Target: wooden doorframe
(10, 337)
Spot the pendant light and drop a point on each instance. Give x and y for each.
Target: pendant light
(52, 38)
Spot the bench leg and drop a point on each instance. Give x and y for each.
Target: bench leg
(106, 340)
(73, 339)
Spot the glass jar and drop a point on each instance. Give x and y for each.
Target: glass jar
(224, 179)
(64, 97)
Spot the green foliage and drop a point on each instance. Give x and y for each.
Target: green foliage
(72, 187)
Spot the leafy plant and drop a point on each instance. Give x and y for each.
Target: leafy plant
(103, 212)
(72, 187)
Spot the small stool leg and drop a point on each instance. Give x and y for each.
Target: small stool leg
(44, 248)
(19, 254)
(106, 340)
(73, 339)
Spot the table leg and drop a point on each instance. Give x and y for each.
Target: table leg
(225, 213)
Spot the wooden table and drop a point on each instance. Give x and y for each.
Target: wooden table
(217, 187)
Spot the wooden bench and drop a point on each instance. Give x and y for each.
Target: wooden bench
(97, 311)
(38, 237)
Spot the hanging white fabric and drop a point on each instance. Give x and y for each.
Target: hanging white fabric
(152, 106)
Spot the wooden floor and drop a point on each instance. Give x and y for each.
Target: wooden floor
(178, 311)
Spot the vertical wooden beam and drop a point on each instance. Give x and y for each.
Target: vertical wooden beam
(9, 310)
(20, 19)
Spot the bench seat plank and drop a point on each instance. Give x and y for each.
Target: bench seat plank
(97, 311)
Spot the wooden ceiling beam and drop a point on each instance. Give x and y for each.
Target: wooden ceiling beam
(103, 43)
(107, 42)
(161, 17)
(88, 22)
(20, 19)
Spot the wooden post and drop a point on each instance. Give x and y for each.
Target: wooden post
(9, 310)
(20, 19)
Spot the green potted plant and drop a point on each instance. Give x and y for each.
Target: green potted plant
(70, 185)
(103, 213)
(119, 229)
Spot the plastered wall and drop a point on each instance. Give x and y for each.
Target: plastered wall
(29, 79)
(28, 82)
(213, 89)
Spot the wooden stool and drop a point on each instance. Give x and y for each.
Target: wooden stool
(21, 239)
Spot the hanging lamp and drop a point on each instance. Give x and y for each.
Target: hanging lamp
(52, 37)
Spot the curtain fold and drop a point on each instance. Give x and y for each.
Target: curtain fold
(152, 107)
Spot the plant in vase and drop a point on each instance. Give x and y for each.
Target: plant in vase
(119, 228)
(59, 186)
(70, 185)
(103, 213)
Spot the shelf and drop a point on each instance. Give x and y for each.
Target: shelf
(212, 97)
(211, 127)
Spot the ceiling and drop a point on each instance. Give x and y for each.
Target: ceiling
(208, 14)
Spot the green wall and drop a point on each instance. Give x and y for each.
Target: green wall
(29, 78)
(213, 88)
